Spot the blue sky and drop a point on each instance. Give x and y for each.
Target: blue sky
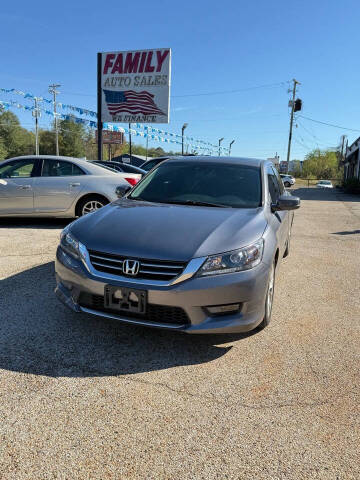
(231, 45)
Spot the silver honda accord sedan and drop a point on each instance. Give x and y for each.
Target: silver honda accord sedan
(193, 247)
(51, 186)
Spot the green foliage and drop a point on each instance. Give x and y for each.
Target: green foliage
(352, 185)
(14, 140)
(321, 164)
(3, 151)
(72, 138)
(141, 150)
(47, 142)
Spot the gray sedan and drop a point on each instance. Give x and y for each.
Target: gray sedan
(193, 247)
(55, 186)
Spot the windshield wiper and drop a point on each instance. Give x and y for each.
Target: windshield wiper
(184, 202)
(200, 204)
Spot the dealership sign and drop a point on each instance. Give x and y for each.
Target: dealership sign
(134, 86)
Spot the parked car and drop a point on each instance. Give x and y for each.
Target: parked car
(147, 166)
(130, 173)
(288, 180)
(183, 250)
(324, 184)
(120, 167)
(55, 186)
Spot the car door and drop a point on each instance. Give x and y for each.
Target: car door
(16, 186)
(280, 219)
(60, 183)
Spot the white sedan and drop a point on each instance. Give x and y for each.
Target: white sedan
(324, 184)
(288, 180)
(51, 186)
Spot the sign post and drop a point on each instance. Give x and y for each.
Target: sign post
(99, 108)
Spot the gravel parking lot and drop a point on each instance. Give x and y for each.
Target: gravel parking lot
(87, 398)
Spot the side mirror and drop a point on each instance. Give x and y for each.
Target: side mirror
(286, 202)
(122, 190)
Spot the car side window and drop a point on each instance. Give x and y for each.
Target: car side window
(279, 181)
(17, 169)
(76, 170)
(59, 168)
(273, 184)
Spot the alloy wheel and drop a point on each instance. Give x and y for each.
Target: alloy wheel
(91, 206)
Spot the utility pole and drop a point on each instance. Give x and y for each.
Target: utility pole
(220, 140)
(52, 89)
(342, 153)
(291, 124)
(147, 145)
(36, 114)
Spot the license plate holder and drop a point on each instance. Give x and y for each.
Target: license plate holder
(125, 299)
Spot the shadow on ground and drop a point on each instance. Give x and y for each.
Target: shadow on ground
(31, 222)
(347, 232)
(38, 335)
(323, 194)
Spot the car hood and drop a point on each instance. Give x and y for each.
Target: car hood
(168, 232)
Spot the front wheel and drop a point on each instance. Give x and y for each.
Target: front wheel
(269, 298)
(287, 184)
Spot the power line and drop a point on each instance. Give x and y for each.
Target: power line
(329, 124)
(223, 92)
(230, 91)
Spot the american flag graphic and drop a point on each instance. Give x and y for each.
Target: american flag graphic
(131, 102)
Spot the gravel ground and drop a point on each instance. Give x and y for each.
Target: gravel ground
(87, 398)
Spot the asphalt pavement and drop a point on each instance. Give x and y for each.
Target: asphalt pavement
(87, 398)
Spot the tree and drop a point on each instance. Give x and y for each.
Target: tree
(14, 140)
(72, 138)
(321, 164)
(3, 151)
(47, 142)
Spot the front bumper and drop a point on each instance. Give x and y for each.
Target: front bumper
(248, 288)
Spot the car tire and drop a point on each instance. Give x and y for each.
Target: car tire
(287, 184)
(90, 204)
(269, 297)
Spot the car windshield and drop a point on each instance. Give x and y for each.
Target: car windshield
(325, 182)
(207, 184)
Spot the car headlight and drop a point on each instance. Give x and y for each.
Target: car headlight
(234, 261)
(70, 244)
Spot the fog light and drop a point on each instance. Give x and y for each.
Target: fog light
(223, 309)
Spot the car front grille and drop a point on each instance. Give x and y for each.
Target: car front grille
(149, 269)
(154, 313)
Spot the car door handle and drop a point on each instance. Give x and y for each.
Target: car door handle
(75, 184)
(25, 187)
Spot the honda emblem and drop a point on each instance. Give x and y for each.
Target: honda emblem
(131, 267)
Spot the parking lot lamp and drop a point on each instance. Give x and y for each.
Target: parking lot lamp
(182, 137)
(220, 140)
(230, 147)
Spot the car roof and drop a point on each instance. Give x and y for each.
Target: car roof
(87, 165)
(255, 162)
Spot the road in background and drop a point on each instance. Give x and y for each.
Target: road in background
(82, 397)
